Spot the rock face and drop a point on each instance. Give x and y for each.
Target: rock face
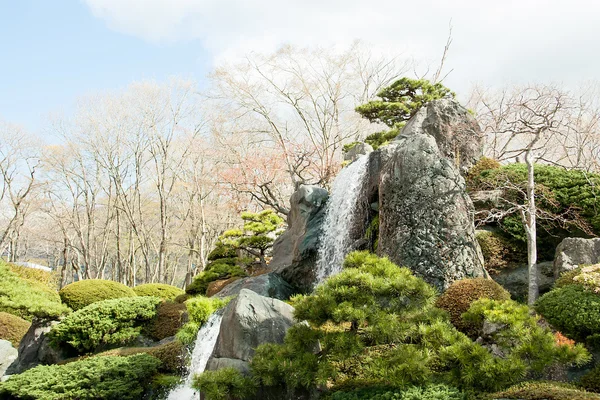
(35, 349)
(249, 321)
(572, 252)
(357, 150)
(267, 285)
(425, 215)
(294, 252)
(8, 354)
(516, 280)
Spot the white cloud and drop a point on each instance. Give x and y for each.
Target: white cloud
(494, 42)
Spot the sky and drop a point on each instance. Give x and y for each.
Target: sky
(52, 52)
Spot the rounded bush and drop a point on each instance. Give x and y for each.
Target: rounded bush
(457, 299)
(49, 279)
(13, 328)
(544, 391)
(573, 310)
(170, 317)
(162, 290)
(83, 293)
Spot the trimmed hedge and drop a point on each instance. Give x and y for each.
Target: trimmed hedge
(27, 298)
(95, 378)
(573, 310)
(457, 299)
(171, 355)
(13, 328)
(170, 317)
(105, 323)
(162, 290)
(544, 391)
(78, 295)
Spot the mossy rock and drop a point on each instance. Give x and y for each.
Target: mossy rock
(78, 295)
(13, 328)
(170, 317)
(544, 391)
(162, 290)
(457, 299)
(171, 355)
(215, 287)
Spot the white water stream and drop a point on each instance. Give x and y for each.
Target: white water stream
(341, 209)
(203, 348)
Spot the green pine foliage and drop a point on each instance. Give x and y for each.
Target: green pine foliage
(28, 298)
(113, 322)
(224, 384)
(95, 378)
(223, 268)
(78, 295)
(573, 310)
(199, 309)
(162, 290)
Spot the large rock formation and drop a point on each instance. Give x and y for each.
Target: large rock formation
(295, 251)
(249, 321)
(35, 348)
(268, 285)
(425, 215)
(8, 354)
(572, 252)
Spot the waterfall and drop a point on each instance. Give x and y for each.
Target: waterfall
(203, 348)
(339, 216)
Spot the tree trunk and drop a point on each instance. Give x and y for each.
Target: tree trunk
(530, 228)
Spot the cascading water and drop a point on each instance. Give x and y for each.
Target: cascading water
(339, 216)
(203, 348)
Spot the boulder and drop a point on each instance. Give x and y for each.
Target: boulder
(487, 198)
(455, 130)
(215, 364)
(516, 280)
(267, 285)
(572, 252)
(295, 251)
(250, 320)
(425, 214)
(357, 150)
(8, 354)
(35, 348)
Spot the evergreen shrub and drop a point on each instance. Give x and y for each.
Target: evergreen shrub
(80, 294)
(544, 391)
(224, 384)
(170, 317)
(171, 355)
(13, 328)
(162, 290)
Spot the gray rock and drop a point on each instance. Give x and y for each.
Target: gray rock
(215, 364)
(425, 215)
(357, 150)
(486, 198)
(250, 320)
(455, 130)
(516, 280)
(8, 354)
(35, 348)
(268, 285)
(572, 252)
(294, 252)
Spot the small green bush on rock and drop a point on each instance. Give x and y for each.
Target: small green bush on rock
(95, 378)
(544, 391)
(224, 384)
(573, 310)
(219, 269)
(199, 310)
(164, 291)
(13, 328)
(27, 298)
(457, 299)
(83, 293)
(109, 322)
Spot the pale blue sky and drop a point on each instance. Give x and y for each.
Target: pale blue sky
(54, 51)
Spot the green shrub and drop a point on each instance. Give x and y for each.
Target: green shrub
(429, 392)
(13, 328)
(216, 270)
(544, 391)
(171, 355)
(162, 384)
(566, 278)
(164, 291)
(95, 378)
(104, 323)
(500, 252)
(572, 310)
(170, 317)
(27, 298)
(49, 279)
(224, 384)
(457, 299)
(199, 309)
(591, 380)
(222, 250)
(83, 293)
(475, 175)
(586, 276)
(379, 139)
